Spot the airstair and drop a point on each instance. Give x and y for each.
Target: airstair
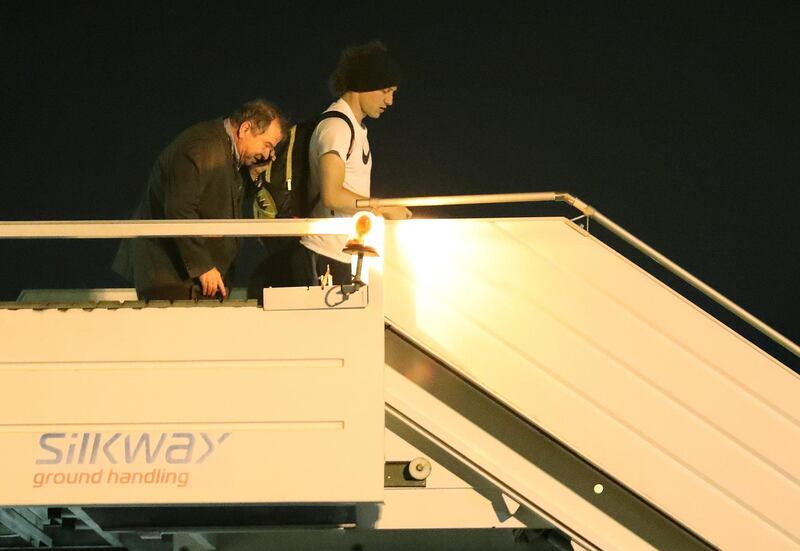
(497, 383)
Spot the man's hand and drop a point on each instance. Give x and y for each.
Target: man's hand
(257, 169)
(393, 213)
(211, 282)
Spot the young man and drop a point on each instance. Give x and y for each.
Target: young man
(197, 176)
(365, 82)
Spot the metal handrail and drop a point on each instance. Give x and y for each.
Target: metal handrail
(113, 229)
(443, 200)
(331, 226)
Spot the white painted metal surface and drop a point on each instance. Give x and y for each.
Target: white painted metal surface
(616, 365)
(591, 213)
(314, 298)
(446, 502)
(547, 496)
(202, 404)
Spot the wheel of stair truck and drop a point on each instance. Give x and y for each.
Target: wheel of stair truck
(419, 468)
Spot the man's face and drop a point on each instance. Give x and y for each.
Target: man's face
(377, 101)
(255, 147)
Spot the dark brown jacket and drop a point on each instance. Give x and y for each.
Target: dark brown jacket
(195, 177)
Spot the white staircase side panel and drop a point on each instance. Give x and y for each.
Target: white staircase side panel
(243, 405)
(612, 362)
(553, 500)
(447, 500)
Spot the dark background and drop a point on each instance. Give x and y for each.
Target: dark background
(678, 123)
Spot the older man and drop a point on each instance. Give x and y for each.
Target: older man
(198, 176)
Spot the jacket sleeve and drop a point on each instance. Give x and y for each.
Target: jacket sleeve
(187, 178)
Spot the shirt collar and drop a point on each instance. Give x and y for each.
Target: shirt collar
(344, 107)
(229, 130)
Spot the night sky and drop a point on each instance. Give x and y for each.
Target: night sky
(679, 124)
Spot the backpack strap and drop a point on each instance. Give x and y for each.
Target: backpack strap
(290, 148)
(345, 118)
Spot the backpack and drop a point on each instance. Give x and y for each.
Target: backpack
(282, 190)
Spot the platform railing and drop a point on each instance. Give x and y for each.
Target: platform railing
(115, 229)
(110, 229)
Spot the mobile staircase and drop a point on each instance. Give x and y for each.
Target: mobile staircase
(495, 383)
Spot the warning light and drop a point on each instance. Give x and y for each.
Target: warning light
(363, 225)
(356, 246)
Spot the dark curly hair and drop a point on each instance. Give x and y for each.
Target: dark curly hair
(351, 62)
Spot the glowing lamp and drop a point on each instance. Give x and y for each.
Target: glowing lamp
(356, 246)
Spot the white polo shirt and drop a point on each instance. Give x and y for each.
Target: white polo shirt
(334, 135)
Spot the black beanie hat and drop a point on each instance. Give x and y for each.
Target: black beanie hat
(370, 68)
